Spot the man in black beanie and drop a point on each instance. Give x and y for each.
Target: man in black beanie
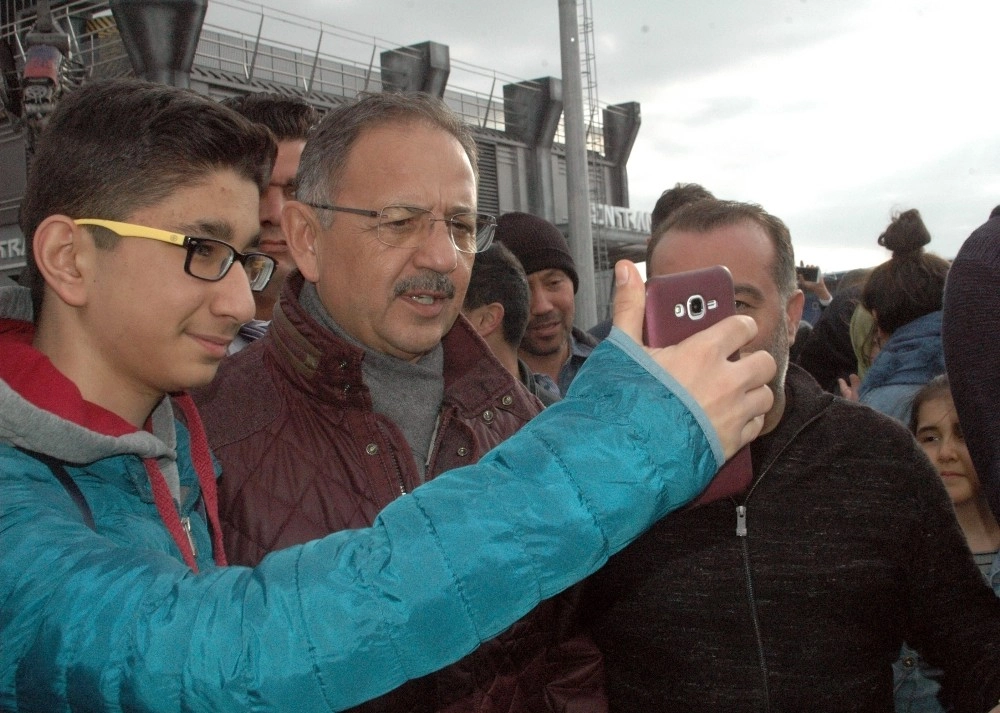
(972, 352)
(552, 347)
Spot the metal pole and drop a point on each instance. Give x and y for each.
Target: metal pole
(489, 102)
(581, 241)
(312, 72)
(371, 64)
(256, 48)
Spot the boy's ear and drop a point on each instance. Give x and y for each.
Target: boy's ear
(486, 319)
(63, 253)
(301, 230)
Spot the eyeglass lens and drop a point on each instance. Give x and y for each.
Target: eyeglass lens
(210, 259)
(259, 268)
(405, 226)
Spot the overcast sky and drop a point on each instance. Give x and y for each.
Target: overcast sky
(831, 114)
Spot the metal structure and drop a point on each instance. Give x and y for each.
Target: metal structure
(50, 66)
(245, 47)
(580, 236)
(595, 143)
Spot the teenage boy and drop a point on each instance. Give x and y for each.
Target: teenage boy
(113, 595)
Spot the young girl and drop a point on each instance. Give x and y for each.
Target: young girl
(934, 423)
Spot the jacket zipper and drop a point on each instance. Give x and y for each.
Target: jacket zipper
(186, 524)
(427, 464)
(399, 474)
(435, 445)
(741, 532)
(395, 459)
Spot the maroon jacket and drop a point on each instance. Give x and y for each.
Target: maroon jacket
(304, 455)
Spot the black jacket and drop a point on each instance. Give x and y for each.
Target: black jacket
(827, 353)
(851, 546)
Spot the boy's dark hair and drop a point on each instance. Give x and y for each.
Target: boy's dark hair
(288, 118)
(677, 197)
(497, 276)
(911, 283)
(113, 147)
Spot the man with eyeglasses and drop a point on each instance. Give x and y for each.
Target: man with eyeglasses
(290, 119)
(140, 209)
(369, 383)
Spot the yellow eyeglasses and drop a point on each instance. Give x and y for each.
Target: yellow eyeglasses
(207, 258)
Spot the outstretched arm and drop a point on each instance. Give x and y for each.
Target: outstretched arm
(101, 624)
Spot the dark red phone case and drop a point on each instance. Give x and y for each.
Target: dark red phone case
(678, 306)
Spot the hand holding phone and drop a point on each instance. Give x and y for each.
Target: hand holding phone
(808, 273)
(678, 306)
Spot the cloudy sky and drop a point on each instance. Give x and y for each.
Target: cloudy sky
(831, 114)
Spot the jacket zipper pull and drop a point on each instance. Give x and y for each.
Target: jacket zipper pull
(186, 524)
(741, 521)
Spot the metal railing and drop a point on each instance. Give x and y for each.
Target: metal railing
(258, 42)
(253, 41)
(95, 48)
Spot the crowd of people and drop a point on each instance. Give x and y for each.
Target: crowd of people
(346, 449)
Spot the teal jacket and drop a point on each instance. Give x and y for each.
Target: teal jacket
(114, 620)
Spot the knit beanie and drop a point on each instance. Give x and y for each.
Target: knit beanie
(537, 243)
(972, 350)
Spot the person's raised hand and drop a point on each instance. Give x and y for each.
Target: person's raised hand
(850, 388)
(817, 287)
(733, 394)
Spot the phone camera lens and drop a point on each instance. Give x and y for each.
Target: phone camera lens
(696, 307)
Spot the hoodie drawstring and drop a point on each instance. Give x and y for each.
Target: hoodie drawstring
(202, 460)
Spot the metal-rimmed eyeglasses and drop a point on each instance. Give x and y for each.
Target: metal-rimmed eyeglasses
(403, 226)
(207, 258)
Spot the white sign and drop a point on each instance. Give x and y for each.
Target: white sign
(12, 248)
(612, 216)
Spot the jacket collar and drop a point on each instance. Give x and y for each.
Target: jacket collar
(319, 362)
(804, 402)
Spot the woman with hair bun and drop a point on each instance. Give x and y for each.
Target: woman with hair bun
(904, 296)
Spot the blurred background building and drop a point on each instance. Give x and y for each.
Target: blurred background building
(235, 47)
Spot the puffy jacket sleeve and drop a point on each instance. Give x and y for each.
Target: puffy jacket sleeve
(340, 620)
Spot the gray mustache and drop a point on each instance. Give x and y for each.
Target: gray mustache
(429, 282)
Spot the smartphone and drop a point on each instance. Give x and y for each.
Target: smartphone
(678, 306)
(809, 274)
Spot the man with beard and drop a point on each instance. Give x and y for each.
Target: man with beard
(551, 347)
(369, 382)
(797, 594)
(290, 120)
